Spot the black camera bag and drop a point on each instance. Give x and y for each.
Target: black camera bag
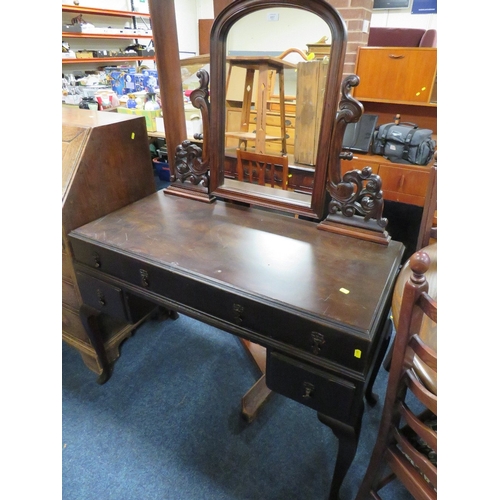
(404, 143)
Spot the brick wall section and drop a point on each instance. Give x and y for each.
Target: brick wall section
(354, 12)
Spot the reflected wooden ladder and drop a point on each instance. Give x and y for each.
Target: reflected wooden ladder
(266, 66)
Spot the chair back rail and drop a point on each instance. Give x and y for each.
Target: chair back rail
(407, 436)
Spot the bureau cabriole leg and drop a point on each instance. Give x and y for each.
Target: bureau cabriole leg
(89, 318)
(348, 437)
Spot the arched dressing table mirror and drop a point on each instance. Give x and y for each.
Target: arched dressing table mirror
(352, 203)
(318, 19)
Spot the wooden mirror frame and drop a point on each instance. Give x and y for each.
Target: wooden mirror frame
(355, 200)
(338, 32)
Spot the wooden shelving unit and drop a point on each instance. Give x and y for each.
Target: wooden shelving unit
(102, 12)
(105, 59)
(75, 9)
(69, 34)
(406, 86)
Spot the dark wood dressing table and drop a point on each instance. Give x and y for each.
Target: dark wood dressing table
(317, 301)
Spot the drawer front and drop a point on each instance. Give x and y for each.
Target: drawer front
(358, 164)
(274, 119)
(102, 296)
(72, 326)
(320, 390)
(67, 267)
(275, 147)
(69, 295)
(406, 185)
(290, 327)
(408, 75)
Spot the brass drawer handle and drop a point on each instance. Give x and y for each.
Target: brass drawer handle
(238, 312)
(101, 298)
(318, 340)
(97, 260)
(144, 277)
(308, 390)
(395, 56)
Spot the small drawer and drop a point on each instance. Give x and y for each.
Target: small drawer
(67, 267)
(70, 295)
(72, 326)
(358, 163)
(320, 390)
(102, 296)
(405, 180)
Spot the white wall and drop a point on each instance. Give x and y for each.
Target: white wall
(293, 28)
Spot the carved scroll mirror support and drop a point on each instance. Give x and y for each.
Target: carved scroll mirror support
(191, 166)
(356, 199)
(357, 202)
(190, 175)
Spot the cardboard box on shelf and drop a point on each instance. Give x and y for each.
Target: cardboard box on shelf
(84, 54)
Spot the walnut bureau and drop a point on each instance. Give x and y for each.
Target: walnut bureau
(319, 302)
(105, 166)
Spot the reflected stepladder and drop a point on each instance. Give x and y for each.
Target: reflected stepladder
(263, 102)
(274, 97)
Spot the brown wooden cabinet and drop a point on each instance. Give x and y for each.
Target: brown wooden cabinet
(397, 81)
(397, 75)
(273, 127)
(400, 182)
(106, 165)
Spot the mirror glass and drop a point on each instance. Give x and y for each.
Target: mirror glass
(275, 63)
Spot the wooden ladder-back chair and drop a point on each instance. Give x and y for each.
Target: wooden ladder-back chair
(256, 164)
(407, 439)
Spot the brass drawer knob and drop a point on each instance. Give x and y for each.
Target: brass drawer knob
(308, 390)
(317, 342)
(144, 277)
(100, 297)
(238, 312)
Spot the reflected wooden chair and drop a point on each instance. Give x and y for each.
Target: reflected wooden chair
(261, 168)
(407, 438)
(256, 166)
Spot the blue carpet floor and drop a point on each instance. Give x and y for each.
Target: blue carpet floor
(167, 426)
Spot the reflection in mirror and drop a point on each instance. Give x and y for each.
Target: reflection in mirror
(271, 126)
(274, 100)
(270, 95)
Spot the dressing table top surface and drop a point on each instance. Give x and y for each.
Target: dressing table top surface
(271, 257)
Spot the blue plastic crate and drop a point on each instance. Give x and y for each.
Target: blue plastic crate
(162, 169)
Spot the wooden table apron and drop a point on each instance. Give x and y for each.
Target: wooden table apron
(316, 300)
